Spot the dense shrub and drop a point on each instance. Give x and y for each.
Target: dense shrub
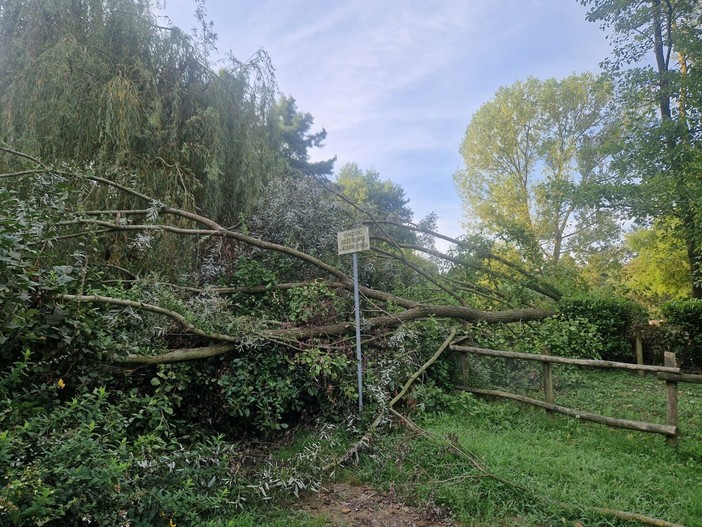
(141, 456)
(564, 337)
(570, 337)
(612, 316)
(684, 331)
(72, 456)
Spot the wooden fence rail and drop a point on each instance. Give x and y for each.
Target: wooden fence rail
(565, 360)
(641, 426)
(669, 372)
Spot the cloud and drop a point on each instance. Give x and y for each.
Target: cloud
(395, 82)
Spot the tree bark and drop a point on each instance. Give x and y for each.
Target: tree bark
(693, 255)
(418, 312)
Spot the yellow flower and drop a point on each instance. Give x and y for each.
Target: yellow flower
(61, 384)
(171, 523)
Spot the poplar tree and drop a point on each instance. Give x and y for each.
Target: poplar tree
(536, 157)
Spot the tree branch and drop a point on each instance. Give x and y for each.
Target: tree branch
(330, 330)
(532, 280)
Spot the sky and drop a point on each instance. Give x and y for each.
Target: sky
(395, 82)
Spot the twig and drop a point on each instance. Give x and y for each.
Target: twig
(25, 156)
(21, 173)
(421, 370)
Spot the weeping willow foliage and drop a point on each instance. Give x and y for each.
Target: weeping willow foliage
(100, 84)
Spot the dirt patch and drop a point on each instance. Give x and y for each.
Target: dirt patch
(346, 505)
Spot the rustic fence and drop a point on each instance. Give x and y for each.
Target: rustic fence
(669, 372)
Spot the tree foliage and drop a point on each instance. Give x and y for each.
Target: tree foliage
(536, 156)
(658, 271)
(613, 318)
(656, 58)
(100, 83)
(384, 200)
(683, 333)
(296, 139)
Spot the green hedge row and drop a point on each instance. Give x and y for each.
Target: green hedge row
(613, 317)
(684, 331)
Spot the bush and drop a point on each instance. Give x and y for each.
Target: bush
(684, 331)
(570, 337)
(613, 317)
(89, 459)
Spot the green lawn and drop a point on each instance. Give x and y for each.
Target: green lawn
(553, 470)
(536, 470)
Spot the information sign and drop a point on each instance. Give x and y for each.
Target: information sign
(353, 241)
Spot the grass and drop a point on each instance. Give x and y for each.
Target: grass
(273, 517)
(551, 462)
(548, 471)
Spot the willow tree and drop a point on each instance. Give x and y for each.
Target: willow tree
(100, 83)
(535, 155)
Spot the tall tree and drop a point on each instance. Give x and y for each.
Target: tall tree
(101, 83)
(385, 200)
(296, 139)
(656, 56)
(535, 155)
(374, 198)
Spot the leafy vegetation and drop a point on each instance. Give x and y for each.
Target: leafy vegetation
(683, 332)
(485, 460)
(171, 300)
(659, 155)
(614, 319)
(535, 158)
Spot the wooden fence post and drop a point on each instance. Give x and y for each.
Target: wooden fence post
(672, 399)
(639, 351)
(463, 364)
(548, 382)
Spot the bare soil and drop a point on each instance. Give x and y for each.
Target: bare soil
(346, 505)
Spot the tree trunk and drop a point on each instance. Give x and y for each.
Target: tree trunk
(693, 255)
(661, 61)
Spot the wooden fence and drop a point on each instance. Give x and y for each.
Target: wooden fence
(669, 372)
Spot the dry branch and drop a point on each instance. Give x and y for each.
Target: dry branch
(412, 310)
(460, 312)
(177, 317)
(421, 273)
(424, 367)
(533, 280)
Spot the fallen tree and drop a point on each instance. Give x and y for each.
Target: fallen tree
(398, 310)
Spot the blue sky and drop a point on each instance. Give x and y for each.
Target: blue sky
(395, 82)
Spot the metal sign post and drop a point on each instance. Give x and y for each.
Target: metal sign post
(354, 241)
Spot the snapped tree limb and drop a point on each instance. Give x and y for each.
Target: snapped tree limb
(329, 330)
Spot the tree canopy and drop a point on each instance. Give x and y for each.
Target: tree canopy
(296, 139)
(656, 51)
(536, 158)
(102, 83)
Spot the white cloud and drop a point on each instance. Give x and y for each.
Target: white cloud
(395, 82)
